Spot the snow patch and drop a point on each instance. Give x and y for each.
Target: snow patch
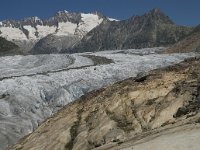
(11, 33)
(66, 11)
(45, 30)
(66, 28)
(112, 19)
(90, 21)
(31, 31)
(37, 19)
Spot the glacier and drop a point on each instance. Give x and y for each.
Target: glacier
(34, 87)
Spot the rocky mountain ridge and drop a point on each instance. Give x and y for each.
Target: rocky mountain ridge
(29, 31)
(68, 32)
(149, 30)
(61, 16)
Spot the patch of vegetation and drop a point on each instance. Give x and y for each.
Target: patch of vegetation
(74, 131)
(90, 118)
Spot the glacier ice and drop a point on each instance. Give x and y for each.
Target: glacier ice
(34, 87)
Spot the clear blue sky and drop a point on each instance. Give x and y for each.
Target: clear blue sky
(183, 12)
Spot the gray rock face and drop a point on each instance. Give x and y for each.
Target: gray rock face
(33, 21)
(190, 43)
(7, 47)
(54, 44)
(150, 30)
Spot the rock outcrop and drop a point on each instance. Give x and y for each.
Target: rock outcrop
(54, 44)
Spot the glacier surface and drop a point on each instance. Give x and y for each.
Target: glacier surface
(34, 87)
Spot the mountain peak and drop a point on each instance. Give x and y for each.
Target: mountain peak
(64, 16)
(63, 11)
(33, 19)
(156, 10)
(158, 15)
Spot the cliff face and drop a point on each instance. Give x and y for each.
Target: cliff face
(128, 114)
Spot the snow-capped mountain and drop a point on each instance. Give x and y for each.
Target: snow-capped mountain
(152, 29)
(68, 32)
(28, 31)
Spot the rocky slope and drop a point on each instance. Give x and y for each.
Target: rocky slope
(54, 44)
(25, 33)
(190, 43)
(149, 110)
(149, 30)
(8, 48)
